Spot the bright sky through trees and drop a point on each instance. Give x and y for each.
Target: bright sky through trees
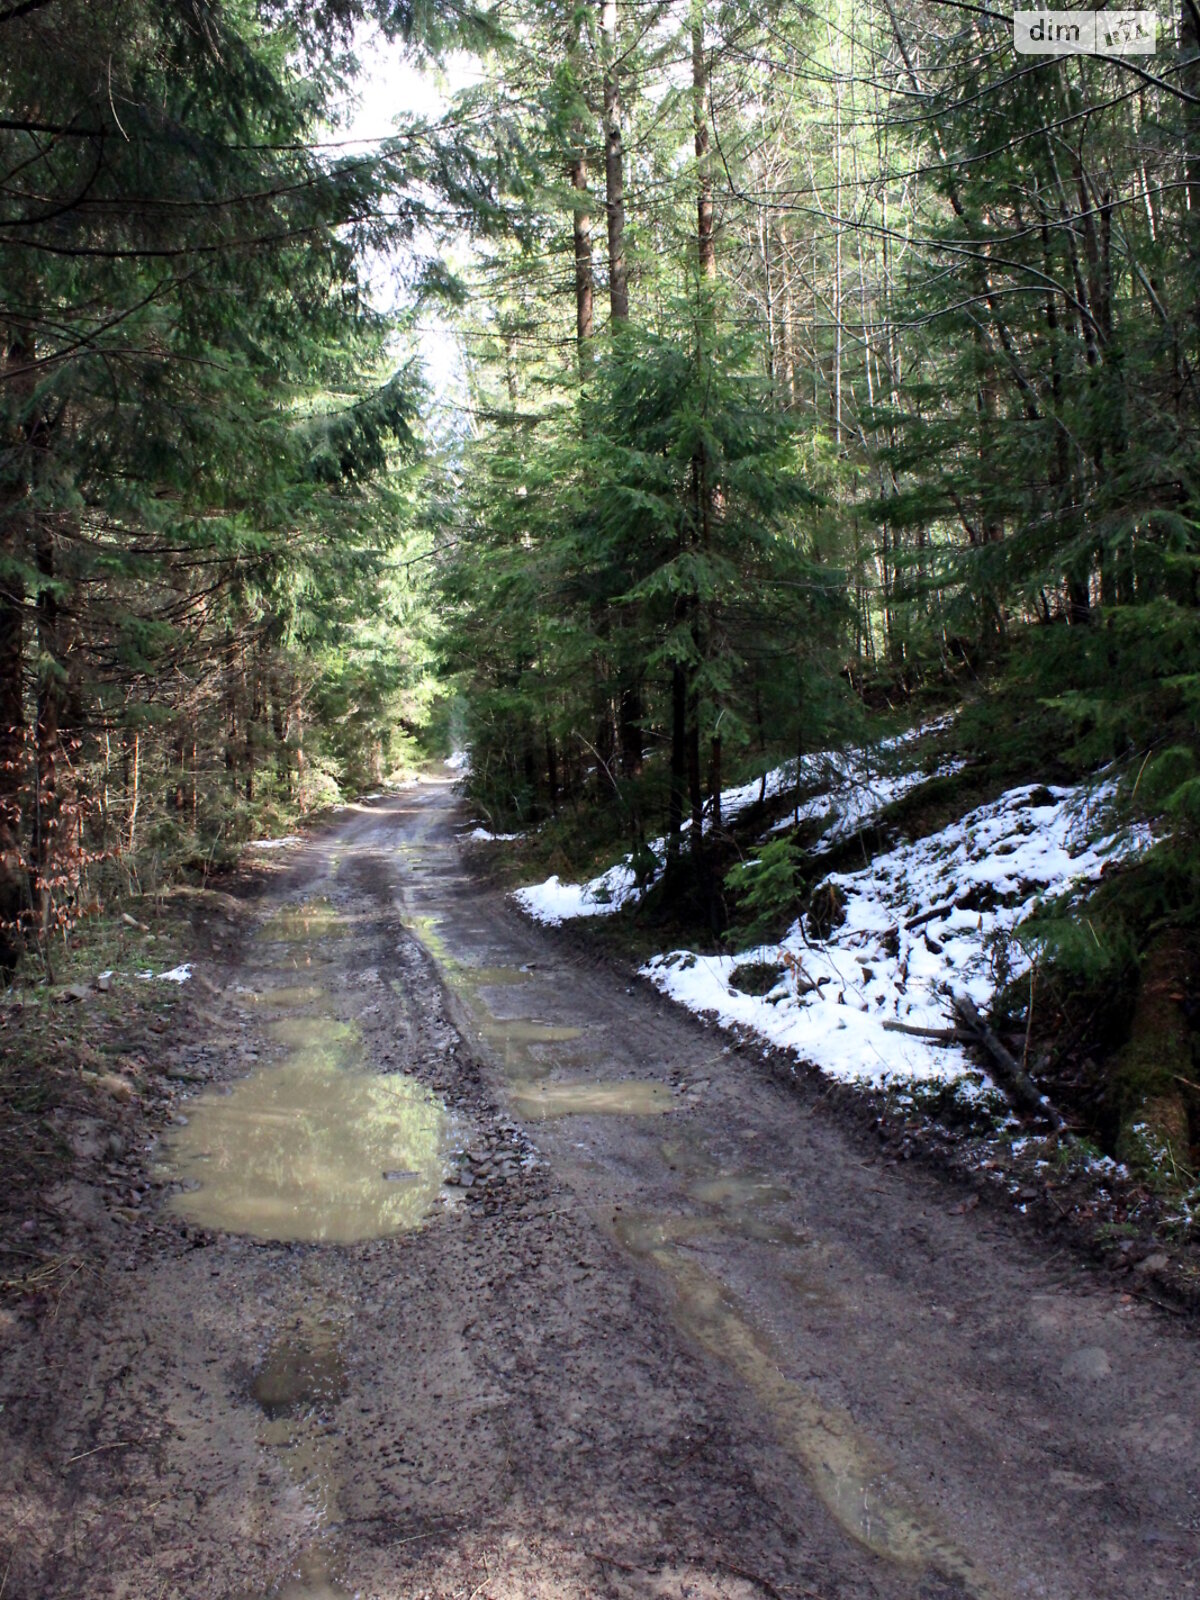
(394, 83)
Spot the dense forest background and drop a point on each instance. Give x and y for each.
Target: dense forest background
(840, 349)
(208, 442)
(820, 366)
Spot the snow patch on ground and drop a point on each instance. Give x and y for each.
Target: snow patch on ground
(288, 842)
(745, 795)
(555, 902)
(922, 921)
(852, 790)
(483, 836)
(853, 785)
(855, 796)
(179, 974)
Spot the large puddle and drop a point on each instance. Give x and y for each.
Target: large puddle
(523, 1030)
(313, 1147)
(285, 997)
(314, 920)
(308, 1150)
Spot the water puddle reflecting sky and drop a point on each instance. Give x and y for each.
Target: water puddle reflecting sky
(625, 1097)
(314, 1147)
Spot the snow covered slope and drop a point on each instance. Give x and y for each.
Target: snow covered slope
(922, 921)
(852, 787)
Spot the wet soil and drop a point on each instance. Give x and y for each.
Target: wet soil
(474, 1270)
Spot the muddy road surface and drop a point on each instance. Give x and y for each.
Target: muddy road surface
(483, 1273)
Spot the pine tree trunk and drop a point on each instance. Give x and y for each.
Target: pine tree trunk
(789, 319)
(706, 256)
(1151, 1068)
(12, 766)
(1189, 82)
(581, 220)
(630, 717)
(582, 231)
(529, 770)
(679, 699)
(695, 781)
(133, 785)
(552, 770)
(231, 710)
(48, 868)
(179, 763)
(15, 355)
(254, 721)
(614, 168)
(706, 243)
(283, 765)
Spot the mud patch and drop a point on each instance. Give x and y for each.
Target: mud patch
(303, 1371)
(845, 1467)
(312, 1583)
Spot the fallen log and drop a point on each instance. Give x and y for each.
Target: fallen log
(929, 916)
(934, 1035)
(1006, 1069)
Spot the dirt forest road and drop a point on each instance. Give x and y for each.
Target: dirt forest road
(669, 1330)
